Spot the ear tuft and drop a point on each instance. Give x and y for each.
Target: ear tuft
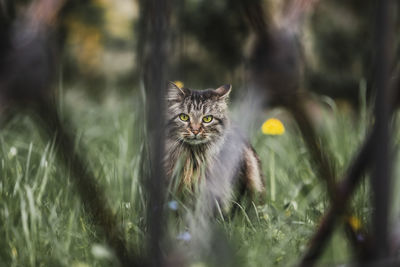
(174, 92)
(223, 91)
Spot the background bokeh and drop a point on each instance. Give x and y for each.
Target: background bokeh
(100, 128)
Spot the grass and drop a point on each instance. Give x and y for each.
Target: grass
(42, 222)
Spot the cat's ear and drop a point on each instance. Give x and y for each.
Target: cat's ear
(223, 91)
(174, 92)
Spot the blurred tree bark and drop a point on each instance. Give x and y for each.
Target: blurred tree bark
(153, 42)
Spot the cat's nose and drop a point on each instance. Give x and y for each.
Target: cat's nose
(195, 128)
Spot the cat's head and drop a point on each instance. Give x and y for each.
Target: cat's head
(197, 116)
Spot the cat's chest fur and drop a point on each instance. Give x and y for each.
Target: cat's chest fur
(188, 164)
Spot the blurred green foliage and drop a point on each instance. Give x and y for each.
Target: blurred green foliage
(43, 222)
(209, 41)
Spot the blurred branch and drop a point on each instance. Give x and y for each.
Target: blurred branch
(26, 75)
(276, 67)
(321, 158)
(380, 150)
(344, 191)
(380, 179)
(327, 172)
(253, 12)
(347, 186)
(44, 12)
(92, 194)
(152, 48)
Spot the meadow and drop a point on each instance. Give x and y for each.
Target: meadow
(42, 221)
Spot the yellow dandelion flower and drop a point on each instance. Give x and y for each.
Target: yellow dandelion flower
(178, 83)
(273, 127)
(354, 222)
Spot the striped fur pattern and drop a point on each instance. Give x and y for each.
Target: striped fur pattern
(194, 144)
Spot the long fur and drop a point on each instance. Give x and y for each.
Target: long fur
(191, 159)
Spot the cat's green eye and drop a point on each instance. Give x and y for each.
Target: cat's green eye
(207, 118)
(183, 117)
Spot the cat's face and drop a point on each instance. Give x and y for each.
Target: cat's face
(196, 117)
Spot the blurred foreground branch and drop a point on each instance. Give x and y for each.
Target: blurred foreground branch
(154, 26)
(380, 178)
(26, 84)
(345, 189)
(276, 72)
(375, 148)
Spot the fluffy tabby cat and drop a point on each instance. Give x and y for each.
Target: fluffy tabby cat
(198, 130)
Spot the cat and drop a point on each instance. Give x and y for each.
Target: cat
(200, 138)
